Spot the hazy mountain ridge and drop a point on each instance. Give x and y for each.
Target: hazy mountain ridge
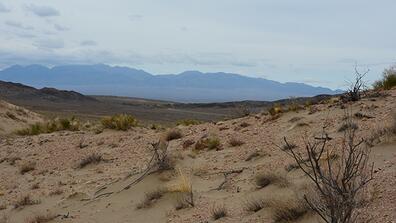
(189, 86)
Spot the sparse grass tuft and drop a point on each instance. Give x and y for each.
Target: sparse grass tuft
(173, 134)
(265, 179)
(219, 212)
(27, 167)
(91, 159)
(121, 122)
(235, 142)
(254, 205)
(287, 210)
(150, 198)
(25, 201)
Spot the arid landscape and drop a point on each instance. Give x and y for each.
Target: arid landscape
(233, 171)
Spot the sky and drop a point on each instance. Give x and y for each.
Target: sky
(310, 41)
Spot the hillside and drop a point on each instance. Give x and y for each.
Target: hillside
(61, 183)
(189, 86)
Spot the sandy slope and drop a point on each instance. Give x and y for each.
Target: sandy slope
(13, 117)
(57, 156)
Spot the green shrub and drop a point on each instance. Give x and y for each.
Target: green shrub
(388, 80)
(119, 122)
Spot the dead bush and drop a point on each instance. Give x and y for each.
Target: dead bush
(94, 158)
(338, 183)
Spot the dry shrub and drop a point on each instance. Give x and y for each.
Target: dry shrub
(244, 124)
(173, 134)
(187, 143)
(27, 167)
(388, 80)
(182, 187)
(235, 142)
(41, 218)
(253, 155)
(275, 110)
(161, 157)
(11, 115)
(209, 143)
(121, 122)
(348, 125)
(264, 179)
(25, 201)
(91, 159)
(218, 212)
(150, 198)
(254, 205)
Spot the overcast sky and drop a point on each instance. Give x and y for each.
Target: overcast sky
(311, 41)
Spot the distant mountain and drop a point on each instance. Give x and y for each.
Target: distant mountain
(189, 86)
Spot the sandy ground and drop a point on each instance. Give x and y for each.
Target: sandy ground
(63, 189)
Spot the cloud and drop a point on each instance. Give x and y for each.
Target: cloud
(49, 44)
(60, 28)
(3, 8)
(88, 43)
(42, 11)
(18, 25)
(135, 17)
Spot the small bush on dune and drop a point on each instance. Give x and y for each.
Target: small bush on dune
(388, 80)
(119, 122)
(27, 167)
(188, 122)
(173, 134)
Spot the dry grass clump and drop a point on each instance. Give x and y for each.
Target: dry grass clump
(25, 201)
(264, 179)
(150, 198)
(188, 122)
(254, 205)
(41, 218)
(182, 187)
(219, 212)
(11, 116)
(27, 167)
(94, 158)
(236, 142)
(287, 209)
(51, 126)
(121, 122)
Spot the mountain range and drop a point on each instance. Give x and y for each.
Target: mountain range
(189, 86)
